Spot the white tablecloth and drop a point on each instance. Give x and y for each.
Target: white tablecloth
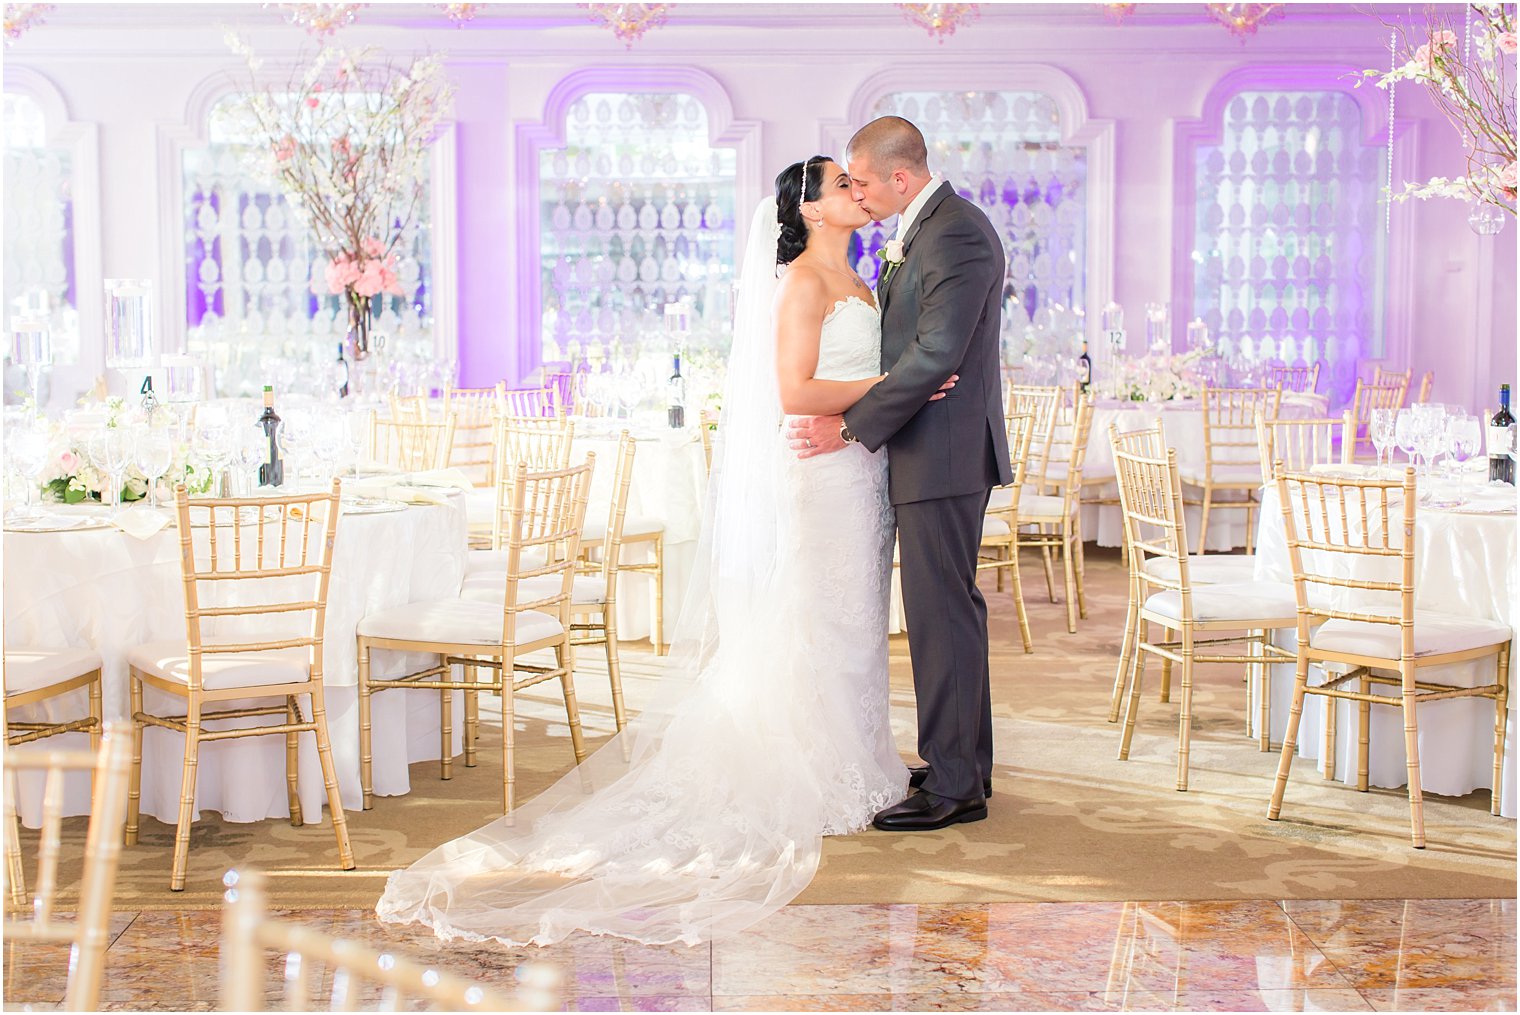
(1182, 421)
(1465, 564)
(106, 590)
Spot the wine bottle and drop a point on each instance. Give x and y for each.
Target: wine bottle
(1084, 368)
(1501, 442)
(677, 396)
(341, 374)
(272, 472)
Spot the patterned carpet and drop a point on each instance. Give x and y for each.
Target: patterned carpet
(1068, 822)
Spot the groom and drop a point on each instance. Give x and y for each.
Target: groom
(940, 295)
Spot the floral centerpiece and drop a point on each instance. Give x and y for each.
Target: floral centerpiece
(1157, 376)
(1472, 81)
(70, 478)
(347, 140)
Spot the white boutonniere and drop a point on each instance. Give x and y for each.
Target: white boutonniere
(891, 257)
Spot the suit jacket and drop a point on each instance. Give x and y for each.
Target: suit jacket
(941, 311)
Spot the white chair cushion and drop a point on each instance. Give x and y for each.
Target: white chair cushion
(1434, 634)
(1041, 506)
(1208, 569)
(1002, 497)
(491, 587)
(1092, 472)
(595, 531)
(1254, 604)
(1244, 474)
(455, 622)
(27, 669)
(170, 660)
(994, 527)
(480, 507)
(496, 560)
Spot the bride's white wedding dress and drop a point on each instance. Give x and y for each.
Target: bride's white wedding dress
(708, 812)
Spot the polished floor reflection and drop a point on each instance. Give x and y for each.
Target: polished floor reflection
(1377, 955)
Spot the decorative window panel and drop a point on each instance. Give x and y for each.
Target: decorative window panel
(1002, 150)
(1289, 257)
(249, 307)
(39, 227)
(637, 211)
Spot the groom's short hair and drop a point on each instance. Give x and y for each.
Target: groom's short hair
(890, 143)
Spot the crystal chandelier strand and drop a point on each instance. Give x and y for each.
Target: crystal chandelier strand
(940, 20)
(629, 22)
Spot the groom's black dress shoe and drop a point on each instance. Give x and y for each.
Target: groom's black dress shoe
(918, 773)
(925, 812)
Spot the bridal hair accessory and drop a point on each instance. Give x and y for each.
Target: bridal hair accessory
(802, 191)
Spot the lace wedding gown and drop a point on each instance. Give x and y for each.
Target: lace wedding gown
(707, 813)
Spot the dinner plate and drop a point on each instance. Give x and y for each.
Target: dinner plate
(58, 523)
(366, 506)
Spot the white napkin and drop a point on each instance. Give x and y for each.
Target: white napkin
(450, 478)
(385, 489)
(141, 523)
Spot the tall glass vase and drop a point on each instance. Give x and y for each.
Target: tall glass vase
(360, 322)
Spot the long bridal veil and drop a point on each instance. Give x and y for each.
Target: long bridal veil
(707, 813)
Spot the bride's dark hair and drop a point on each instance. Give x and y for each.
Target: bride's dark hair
(791, 191)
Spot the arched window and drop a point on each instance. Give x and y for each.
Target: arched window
(1288, 259)
(637, 210)
(248, 258)
(1004, 151)
(40, 276)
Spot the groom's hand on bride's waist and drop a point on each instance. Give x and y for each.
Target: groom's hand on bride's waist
(810, 436)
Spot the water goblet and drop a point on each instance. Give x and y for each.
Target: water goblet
(27, 448)
(1380, 429)
(212, 444)
(1464, 433)
(328, 440)
(110, 451)
(356, 426)
(153, 453)
(252, 451)
(1406, 432)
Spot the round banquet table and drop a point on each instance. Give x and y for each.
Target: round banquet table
(1182, 422)
(1464, 564)
(101, 588)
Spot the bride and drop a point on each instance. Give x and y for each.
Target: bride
(708, 812)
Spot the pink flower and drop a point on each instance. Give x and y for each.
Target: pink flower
(312, 101)
(285, 150)
(1507, 41)
(1507, 179)
(68, 462)
(338, 275)
(389, 281)
(370, 280)
(1444, 39)
(372, 247)
(1422, 58)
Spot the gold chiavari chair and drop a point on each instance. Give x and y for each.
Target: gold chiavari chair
(357, 975)
(1213, 569)
(528, 402)
(593, 603)
(1150, 495)
(474, 411)
(1364, 400)
(32, 916)
(543, 445)
(1303, 380)
(1053, 522)
(1427, 382)
(1042, 402)
(410, 409)
(1000, 528)
(260, 565)
(1351, 544)
(1401, 377)
(412, 446)
(33, 676)
(1301, 444)
(1229, 454)
(546, 512)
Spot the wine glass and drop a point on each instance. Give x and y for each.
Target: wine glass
(1464, 434)
(153, 453)
(212, 443)
(110, 450)
(295, 442)
(1406, 432)
(356, 424)
(27, 447)
(1380, 429)
(252, 452)
(328, 440)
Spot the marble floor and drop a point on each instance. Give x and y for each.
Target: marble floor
(1417, 955)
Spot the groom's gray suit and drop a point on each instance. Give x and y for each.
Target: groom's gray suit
(940, 315)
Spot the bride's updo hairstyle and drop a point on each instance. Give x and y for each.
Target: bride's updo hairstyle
(791, 191)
